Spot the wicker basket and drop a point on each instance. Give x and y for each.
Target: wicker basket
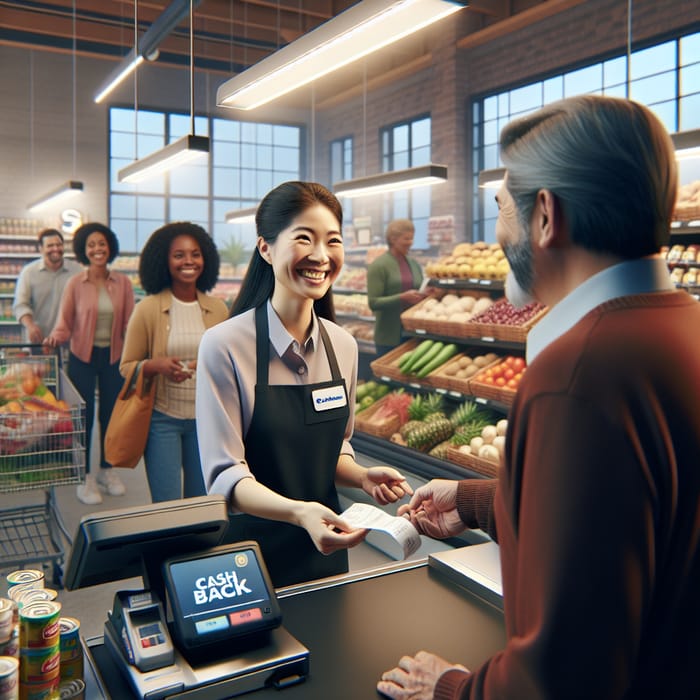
(437, 326)
(388, 365)
(472, 462)
(365, 421)
(500, 331)
(686, 212)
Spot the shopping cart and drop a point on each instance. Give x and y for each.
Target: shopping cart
(42, 445)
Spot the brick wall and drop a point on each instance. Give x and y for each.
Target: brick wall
(585, 33)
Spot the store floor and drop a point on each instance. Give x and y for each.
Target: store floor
(90, 605)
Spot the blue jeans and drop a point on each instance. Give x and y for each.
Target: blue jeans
(100, 374)
(172, 450)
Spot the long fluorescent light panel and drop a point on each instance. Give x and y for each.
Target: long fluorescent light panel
(184, 150)
(358, 31)
(63, 191)
(392, 181)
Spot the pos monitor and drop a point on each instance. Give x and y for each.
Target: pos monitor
(114, 545)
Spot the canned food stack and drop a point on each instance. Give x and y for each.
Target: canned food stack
(45, 648)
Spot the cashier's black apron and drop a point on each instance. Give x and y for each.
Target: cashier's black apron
(293, 449)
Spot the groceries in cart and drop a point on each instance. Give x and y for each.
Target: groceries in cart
(37, 426)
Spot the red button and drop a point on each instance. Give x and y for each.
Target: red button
(240, 618)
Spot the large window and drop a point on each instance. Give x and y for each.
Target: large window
(407, 145)
(664, 77)
(341, 169)
(246, 160)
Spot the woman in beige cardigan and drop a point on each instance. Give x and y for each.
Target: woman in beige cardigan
(178, 266)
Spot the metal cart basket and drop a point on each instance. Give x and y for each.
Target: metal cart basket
(42, 445)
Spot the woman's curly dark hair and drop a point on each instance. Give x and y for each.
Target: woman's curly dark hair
(80, 239)
(154, 270)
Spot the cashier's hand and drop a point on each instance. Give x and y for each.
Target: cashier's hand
(385, 485)
(415, 677)
(328, 531)
(433, 509)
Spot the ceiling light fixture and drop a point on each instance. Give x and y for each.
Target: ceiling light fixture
(492, 179)
(185, 150)
(148, 46)
(392, 181)
(687, 144)
(62, 192)
(241, 216)
(358, 31)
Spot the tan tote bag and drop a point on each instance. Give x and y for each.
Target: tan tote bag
(127, 432)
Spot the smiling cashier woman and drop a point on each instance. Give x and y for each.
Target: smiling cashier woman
(275, 391)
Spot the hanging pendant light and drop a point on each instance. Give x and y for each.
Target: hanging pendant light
(185, 150)
(392, 181)
(360, 30)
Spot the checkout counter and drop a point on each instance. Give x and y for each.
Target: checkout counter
(339, 634)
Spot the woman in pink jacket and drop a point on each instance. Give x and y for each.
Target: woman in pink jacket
(95, 308)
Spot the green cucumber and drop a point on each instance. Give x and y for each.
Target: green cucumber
(428, 357)
(445, 354)
(420, 350)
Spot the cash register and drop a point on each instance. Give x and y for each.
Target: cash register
(206, 622)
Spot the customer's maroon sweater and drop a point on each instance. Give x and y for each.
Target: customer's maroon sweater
(598, 513)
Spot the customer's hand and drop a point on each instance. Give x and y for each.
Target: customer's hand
(415, 677)
(385, 485)
(433, 509)
(170, 367)
(328, 531)
(34, 333)
(411, 297)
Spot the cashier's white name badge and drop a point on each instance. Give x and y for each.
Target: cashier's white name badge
(328, 398)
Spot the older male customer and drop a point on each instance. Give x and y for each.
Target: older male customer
(597, 509)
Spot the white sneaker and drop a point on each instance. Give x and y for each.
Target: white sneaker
(88, 493)
(110, 482)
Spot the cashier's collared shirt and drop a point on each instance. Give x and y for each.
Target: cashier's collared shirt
(226, 377)
(640, 276)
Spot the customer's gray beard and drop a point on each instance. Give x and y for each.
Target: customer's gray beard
(515, 294)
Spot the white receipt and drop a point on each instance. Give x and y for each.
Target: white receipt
(400, 530)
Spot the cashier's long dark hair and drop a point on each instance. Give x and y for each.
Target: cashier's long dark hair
(275, 213)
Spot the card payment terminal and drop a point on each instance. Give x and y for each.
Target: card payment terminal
(138, 621)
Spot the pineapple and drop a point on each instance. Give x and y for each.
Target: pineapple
(440, 450)
(422, 406)
(430, 434)
(464, 433)
(464, 413)
(408, 427)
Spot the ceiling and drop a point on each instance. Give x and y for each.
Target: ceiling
(228, 35)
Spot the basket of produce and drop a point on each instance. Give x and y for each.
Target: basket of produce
(388, 365)
(480, 450)
(477, 260)
(461, 368)
(384, 416)
(503, 321)
(499, 381)
(688, 202)
(420, 361)
(445, 315)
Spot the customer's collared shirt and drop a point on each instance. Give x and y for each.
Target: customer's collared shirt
(226, 377)
(640, 276)
(39, 290)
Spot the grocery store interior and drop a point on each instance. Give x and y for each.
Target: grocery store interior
(431, 102)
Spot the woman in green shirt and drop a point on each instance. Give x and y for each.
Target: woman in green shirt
(393, 280)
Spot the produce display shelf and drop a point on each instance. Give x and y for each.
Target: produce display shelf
(486, 342)
(417, 463)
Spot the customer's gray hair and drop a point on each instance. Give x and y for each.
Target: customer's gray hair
(610, 164)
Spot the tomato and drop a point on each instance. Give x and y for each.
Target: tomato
(509, 373)
(512, 384)
(488, 380)
(500, 381)
(518, 364)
